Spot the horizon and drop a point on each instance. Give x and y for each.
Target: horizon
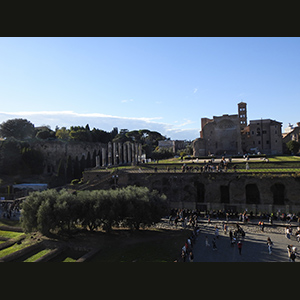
(164, 84)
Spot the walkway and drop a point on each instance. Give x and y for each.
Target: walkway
(254, 247)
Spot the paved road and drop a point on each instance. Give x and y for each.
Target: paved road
(254, 247)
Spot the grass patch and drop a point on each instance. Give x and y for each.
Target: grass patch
(69, 255)
(10, 234)
(37, 255)
(15, 247)
(284, 158)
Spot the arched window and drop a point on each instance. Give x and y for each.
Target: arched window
(252, 194)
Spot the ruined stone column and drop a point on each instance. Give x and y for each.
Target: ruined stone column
(140, 152)
(125, 153)
(129, 152)
(109, 149)
(97, 161)
(120, 152)
(136, 153)
(104, 162)
(114, 154)
(132, 153)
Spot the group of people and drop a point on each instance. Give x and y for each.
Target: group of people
(9, 209)
(187, 254)
(292, 251)
(188, 218)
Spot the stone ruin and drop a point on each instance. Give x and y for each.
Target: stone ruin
(106, 154)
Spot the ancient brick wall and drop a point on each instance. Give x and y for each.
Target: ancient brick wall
(215, 190)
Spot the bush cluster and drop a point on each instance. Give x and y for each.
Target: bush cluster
(133, 207)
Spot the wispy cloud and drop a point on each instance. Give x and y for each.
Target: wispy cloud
(186, 122)
(127, 101)
(104, 122)
(195, 90)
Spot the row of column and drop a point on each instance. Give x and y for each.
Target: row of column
(119, 154)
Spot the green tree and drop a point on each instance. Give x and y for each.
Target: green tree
(293, 146)
(17, 128)
(29, 209)
(63, 133)
(37, 212)
(66, 211)
(100, 136)
(69, 169)
(89, 214)
(61, 173)
(77, 173)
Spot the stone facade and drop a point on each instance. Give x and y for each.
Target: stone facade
(175, 145)
(222, 135)
(264, 135)
(230, 135)
(256, 192)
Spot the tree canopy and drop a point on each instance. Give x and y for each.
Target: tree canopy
(293, 146)
(132, 207)
(17, 128)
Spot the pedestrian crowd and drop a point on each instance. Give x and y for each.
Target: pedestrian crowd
(236, 236)
(187, 254)
(9, 209)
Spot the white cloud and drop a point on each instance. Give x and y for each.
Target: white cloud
(104, 122)
(195, 90)
(187, 122)
(126, 101)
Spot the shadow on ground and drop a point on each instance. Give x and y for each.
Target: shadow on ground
(254, 247)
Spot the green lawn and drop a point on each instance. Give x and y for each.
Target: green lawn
(10, 234)
(37, 255)
(284, 158)
(16, 247)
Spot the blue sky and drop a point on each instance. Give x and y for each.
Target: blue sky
(159, 83)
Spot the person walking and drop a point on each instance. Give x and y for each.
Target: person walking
(225, 228)
(230, 237)
(270, 244)
(214, 245)
(287, 232)
(217, 232)
(206, 242)
(191, 256)
(240, 244)
(289, 249)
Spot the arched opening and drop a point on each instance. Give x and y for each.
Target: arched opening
(252, 194)
(200, 192)
(278, 190)
(224, 190)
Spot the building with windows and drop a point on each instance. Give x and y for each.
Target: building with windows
(264, 136)
(231, 135)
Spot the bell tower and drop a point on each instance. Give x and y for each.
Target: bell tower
(242, 112)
